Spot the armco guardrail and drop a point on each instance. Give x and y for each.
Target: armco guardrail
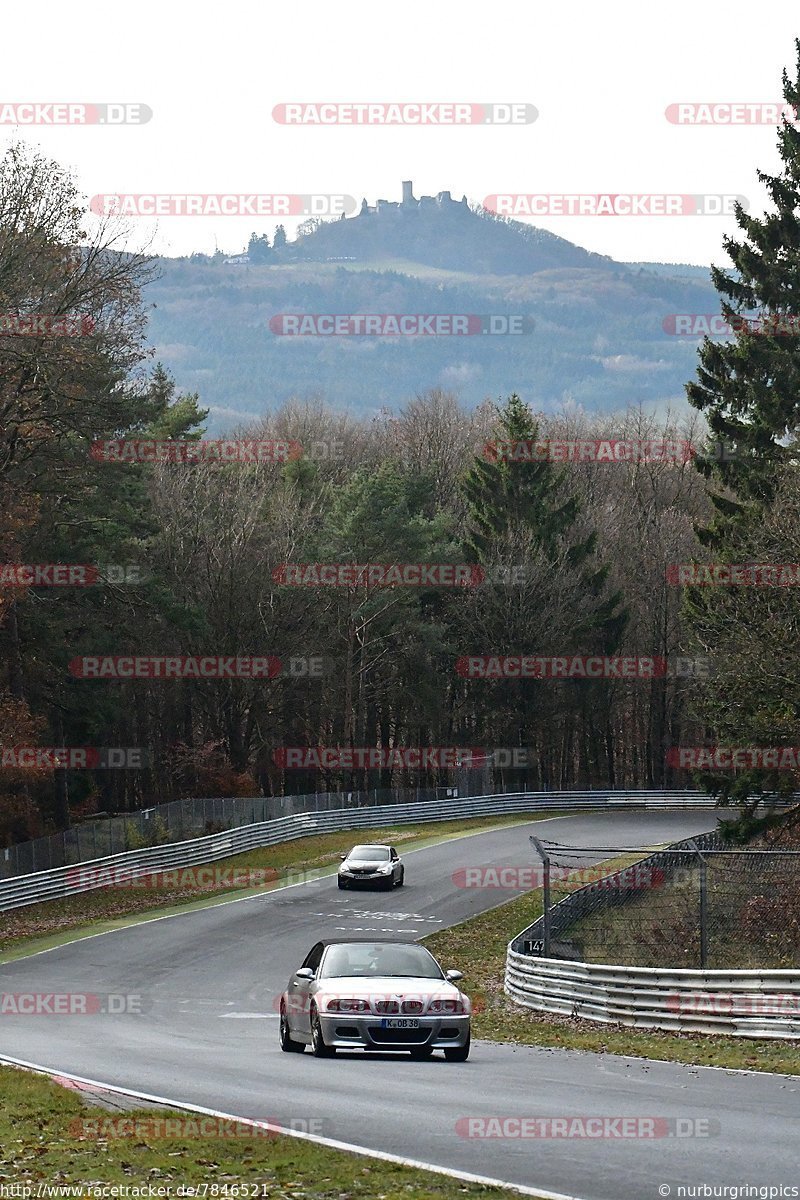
(60, 882)
(753, 1004)
(195, 817)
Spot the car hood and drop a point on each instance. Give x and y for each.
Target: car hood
(366, 862)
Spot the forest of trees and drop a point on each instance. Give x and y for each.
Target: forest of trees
(575, 554)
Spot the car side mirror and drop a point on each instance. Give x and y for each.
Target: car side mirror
(453, 975)
(342, 857)
(305, 973)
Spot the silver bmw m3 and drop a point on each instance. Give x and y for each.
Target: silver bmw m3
(374, 994)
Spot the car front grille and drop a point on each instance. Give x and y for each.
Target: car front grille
(411, 1008)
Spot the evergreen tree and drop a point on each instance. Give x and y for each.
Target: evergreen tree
(518, 508)
(505, 498)
(749, 388)
(749, 391)
(258, 248)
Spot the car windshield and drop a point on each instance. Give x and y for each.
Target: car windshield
(369, 854)
(380, 958)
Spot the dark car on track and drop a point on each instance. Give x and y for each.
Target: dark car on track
(374, 865)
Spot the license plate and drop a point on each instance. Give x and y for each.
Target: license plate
(399, 1023)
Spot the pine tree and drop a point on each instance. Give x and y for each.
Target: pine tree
(749, 387)
(258, 248)
(749, 391)
(505, 497)
(522, 509)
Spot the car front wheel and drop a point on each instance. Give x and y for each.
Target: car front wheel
(458, 1053)
(317, 1041)
(287, 1043)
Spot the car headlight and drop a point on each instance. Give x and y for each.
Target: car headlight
(347, 1005)
(446, 1006)
(386, 869)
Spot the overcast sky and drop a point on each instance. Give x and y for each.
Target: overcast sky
(600, 76)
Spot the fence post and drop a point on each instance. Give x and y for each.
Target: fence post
(703, 913)
(546, 898)
(703, 906)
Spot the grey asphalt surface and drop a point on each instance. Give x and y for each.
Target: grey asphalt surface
(210, 981)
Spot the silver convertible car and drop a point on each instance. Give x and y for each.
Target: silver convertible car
(374, 995)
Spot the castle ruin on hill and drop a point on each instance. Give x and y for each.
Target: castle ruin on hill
(409, 203)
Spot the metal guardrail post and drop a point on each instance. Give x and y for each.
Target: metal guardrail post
(545, 857)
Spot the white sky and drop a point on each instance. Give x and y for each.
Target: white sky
(600, 75)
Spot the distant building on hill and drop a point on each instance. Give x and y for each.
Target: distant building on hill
(410, 204)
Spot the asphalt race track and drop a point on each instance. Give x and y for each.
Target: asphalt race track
(209, 981)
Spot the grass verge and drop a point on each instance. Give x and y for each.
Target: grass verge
(478, 948)
(41, 1144)
(53, 922)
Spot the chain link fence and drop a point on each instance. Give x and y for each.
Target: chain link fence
(184, 819)
(698, 904)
